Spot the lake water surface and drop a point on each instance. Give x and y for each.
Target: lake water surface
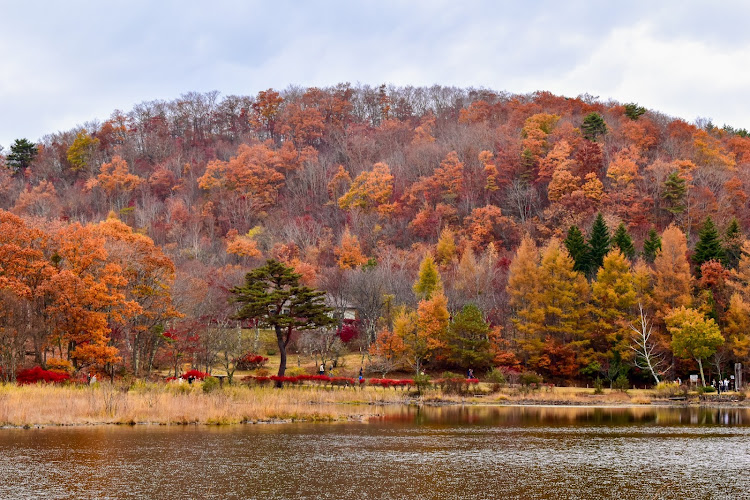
(446, 452)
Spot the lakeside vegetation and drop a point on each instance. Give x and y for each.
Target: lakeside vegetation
(439, 229)
(186, 404)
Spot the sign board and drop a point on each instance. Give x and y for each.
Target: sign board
(693, 379)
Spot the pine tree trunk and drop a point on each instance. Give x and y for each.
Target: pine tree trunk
(282, 353)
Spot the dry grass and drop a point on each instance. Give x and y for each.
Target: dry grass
(566, 395)
(182, 404)
(186, 404)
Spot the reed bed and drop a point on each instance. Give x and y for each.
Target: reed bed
(179, 404)
(183, 404)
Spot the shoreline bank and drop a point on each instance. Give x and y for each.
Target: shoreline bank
(160, 404)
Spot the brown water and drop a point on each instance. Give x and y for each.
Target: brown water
(450, 452)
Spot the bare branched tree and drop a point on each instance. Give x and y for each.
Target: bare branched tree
(647, 356)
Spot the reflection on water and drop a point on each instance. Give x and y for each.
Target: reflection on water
(446, 452)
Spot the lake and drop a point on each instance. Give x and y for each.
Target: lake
(434, 452)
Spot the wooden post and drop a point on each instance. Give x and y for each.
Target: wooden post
(738, 376)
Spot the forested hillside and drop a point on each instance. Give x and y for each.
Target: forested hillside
(467, 227)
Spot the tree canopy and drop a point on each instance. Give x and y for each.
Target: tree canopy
(272, 295)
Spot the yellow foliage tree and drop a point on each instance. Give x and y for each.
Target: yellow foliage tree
(446, 247)
(81, 152)
(349, 252)
(370, 191)
(672, 278)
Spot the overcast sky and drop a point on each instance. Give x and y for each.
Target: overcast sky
(65, 63)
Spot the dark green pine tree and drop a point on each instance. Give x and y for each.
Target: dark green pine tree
(651, 246)
(709, 245)
(467, 340)
(674, 193)
(623, 241)
(599, 243)
(634, 111)
(733, 244)
(593, 126)
(22, 153)
(274, 297)
(578, 249)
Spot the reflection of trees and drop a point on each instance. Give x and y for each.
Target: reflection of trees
(562, 417)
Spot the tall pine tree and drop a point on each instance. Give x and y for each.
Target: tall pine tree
(274, 297)
(593, 126)
(709, 245)
(599, 243)
(467, 340)
(578, 249)
(674, 193)
(651, 246)
(623, 241)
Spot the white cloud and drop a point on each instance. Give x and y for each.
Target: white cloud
(80, 60)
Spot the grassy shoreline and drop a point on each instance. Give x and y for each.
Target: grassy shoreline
(171, 404)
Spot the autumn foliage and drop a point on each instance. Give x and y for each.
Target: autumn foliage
(119, 244)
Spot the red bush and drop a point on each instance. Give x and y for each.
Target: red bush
(256, 379)
(198, 375)
(348, 331)
(251, 361)
(388, 382)
(38, 374)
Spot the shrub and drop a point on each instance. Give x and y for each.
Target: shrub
(621, 384)
(598, 386)
(388, 382)
(251, 361)
(196, 374)
(497, 379)
(38, 374)
(258, 379)
(530, 379)
(706, 389)
(511, 374)
(670, 389)
(296, 371)
(210, 384)
(422, 382)
(342, 381)
(452, 383)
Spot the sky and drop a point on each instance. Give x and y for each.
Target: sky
(68, 63)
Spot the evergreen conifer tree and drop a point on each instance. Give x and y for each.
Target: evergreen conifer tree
(273, 296)
(22, 153)
(578, 249)
(651, 246)
(634, 111)
(623, 241)
(599, 244)
(674, 193)
(467, 340)
(593, 126)
(709, 244)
